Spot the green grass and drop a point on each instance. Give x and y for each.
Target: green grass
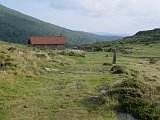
(48, 85)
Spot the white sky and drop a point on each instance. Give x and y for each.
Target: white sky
(111, 16)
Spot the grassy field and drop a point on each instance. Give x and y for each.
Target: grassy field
(47, 85)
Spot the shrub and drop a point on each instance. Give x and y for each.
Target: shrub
(152, 61)
(137, 98)
(73, 54)
(52, 54)
(6, 62)
(119, 69)
(12, 49)
(7, 65)
(107, 64)
(98, 49)
(41, 56)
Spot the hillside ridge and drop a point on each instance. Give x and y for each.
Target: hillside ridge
(147, 37)
(17, 27)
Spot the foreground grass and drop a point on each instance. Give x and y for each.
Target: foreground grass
(37, 84)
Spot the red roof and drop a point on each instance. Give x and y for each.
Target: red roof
(47, 40)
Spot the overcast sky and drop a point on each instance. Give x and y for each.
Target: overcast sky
(111, 16)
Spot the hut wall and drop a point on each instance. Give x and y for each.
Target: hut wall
(52, 47)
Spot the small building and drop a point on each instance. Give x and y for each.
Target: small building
(48, 42)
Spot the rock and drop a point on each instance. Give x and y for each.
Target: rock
(48, 69)
(51, 69)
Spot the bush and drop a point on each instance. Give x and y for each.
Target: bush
(119, 69)
(52, 54)
(98, 49)
(73, 54)
(12, 49)
(7, 65)
(107, 64)
(41, 56)
(137, 98)
(6, 62)
(152, 61)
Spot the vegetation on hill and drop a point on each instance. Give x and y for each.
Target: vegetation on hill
(16, 27)
(141, 38)
(44, 84)
(154, 32)
(112, 37)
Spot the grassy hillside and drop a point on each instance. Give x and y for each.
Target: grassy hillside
(38, 84)
(17, 28)
(140, 38)
(153, 32)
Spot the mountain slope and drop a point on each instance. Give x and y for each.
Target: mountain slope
(142, 37)
(153, 32)
(145, 37)
(17, 27)
(110, 36)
